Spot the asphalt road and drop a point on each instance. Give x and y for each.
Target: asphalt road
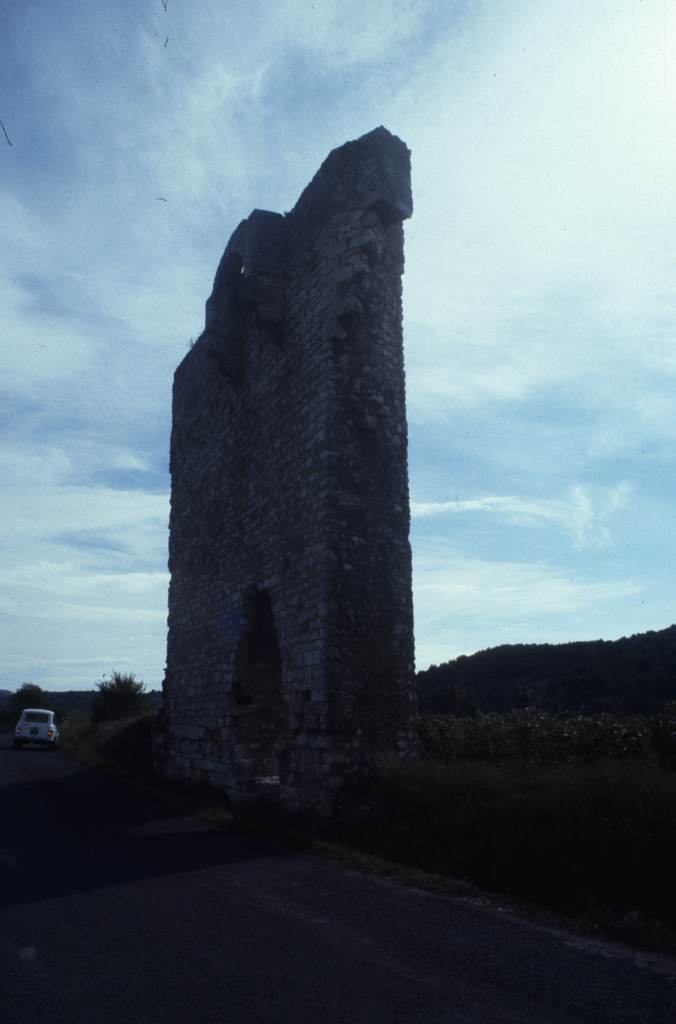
(114, 911)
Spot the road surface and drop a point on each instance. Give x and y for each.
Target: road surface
(115, 911)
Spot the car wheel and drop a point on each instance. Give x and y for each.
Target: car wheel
(17, 744)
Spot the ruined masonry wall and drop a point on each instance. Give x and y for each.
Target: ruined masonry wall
(290, 646)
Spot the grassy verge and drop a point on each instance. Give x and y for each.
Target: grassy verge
(593, 841)
(121, 746)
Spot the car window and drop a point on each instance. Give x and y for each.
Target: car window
(36, 716)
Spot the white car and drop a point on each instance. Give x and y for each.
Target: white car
(36, 725)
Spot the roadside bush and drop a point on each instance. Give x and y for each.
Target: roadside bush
(122, 696)
(29, 695)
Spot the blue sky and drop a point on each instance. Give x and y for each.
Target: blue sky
(539, 297)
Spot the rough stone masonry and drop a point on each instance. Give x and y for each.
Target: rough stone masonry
(290, 647)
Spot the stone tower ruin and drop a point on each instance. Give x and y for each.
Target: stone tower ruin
(290, 647)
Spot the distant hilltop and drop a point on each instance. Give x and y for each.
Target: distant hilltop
(635, 674)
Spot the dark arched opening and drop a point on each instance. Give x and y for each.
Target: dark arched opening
(258, 710)
(258, 662)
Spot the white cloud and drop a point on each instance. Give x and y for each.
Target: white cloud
(72, 586)
(582, 515)
(537, 255)
(468, 587)
(42, 504)
(348, 34)
(460, 601)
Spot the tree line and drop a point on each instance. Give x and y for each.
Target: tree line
(633, 675)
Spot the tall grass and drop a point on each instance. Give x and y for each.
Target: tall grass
(577, 838)
(577, 814)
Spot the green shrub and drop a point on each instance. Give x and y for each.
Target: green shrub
(121, 696)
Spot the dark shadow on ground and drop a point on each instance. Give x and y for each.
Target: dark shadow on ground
(83, 831)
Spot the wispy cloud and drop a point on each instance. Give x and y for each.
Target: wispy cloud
(467, 587)
(583, 515)
(525, 603)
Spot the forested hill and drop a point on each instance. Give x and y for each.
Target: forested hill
(634, 674)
